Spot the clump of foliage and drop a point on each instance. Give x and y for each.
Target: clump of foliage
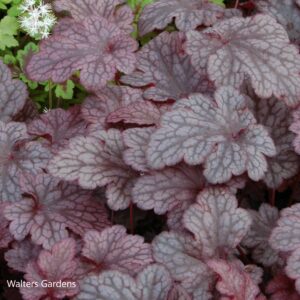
(149, 150)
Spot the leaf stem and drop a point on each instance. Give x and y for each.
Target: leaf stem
(50, 103)
(131, 217)
(237, 2)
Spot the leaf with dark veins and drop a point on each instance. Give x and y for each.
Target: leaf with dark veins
(164, 65)
(257, 48)
(112, 10)
(94, 46)
(97, 161)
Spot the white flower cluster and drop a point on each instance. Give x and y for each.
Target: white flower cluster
(36, 18)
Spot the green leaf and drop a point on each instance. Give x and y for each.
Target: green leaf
(218, 2)
(8, 28)
(141, 3)
(28, 49)
(65, 91)
(9, 59)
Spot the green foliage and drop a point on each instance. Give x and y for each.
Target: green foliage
(218, 2)
(8, 31)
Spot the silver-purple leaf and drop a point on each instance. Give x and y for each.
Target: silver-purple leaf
(94, 46)
(18, 156)
(216, 222)
(113, 249)
(222, 133)
(163, 64)
(96, 108)
(276, 117)
(286, 12)
(59, 126)
(258, 236)
(96, 161)
(13, 94)
(51, 208)
(257, 48)
(188, 14)
(112, 10)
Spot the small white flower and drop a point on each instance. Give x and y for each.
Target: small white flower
(37, 18)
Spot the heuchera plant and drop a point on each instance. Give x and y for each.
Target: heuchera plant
(177, 177)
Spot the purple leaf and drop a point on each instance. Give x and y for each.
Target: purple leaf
(21, 254)
(257, 48)
(18, 157)
(95, 46)
(163, 64)
(58, 126)
(285, 236)
(113, 249)
(109, 285)
(295, 127)
(49, 207)
(96, 160)
(164, 190)
(13, 94)
(139, 112)
(188, 14)
(137, 139)
(5, 235)
(234, 283)
(216, 222)
(258, 236)
(97, 108)
(111, 10)
(276, 117)
(286, 12)
(223, 134)
(53, 266)
(293, 268)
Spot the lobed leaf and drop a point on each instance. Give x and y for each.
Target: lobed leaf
(257, 48)
(13, 94)
(113, 249)
(59, 126)
(165, 69)
(51, 208)
(53, 266)
(17, 156)
(223, 134)
(94, 46)
(188, 14)
(112, 10)
(258, 236)
(96, 160)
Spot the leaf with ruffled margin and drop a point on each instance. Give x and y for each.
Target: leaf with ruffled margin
(163, 64)
(152, 283)
(223, 134)
(258, 236)
(276, 117)
(5, 235)
(96, 108)
(188, 14)
(234, 283)
(164, 190)
(139, 112)
(58, 126)
(295, 128)
(49, 207)
(13, 94)
(136, 140)
(17, 156)
(216, 222)
(179, 253)
(293, 268)
(94, 46)
(113, 249)
(256, 47)
(53, 266)
(286, 12)
(21, 253)
(96, 161)
(27, 113)
(112, 10)
(285, 236)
